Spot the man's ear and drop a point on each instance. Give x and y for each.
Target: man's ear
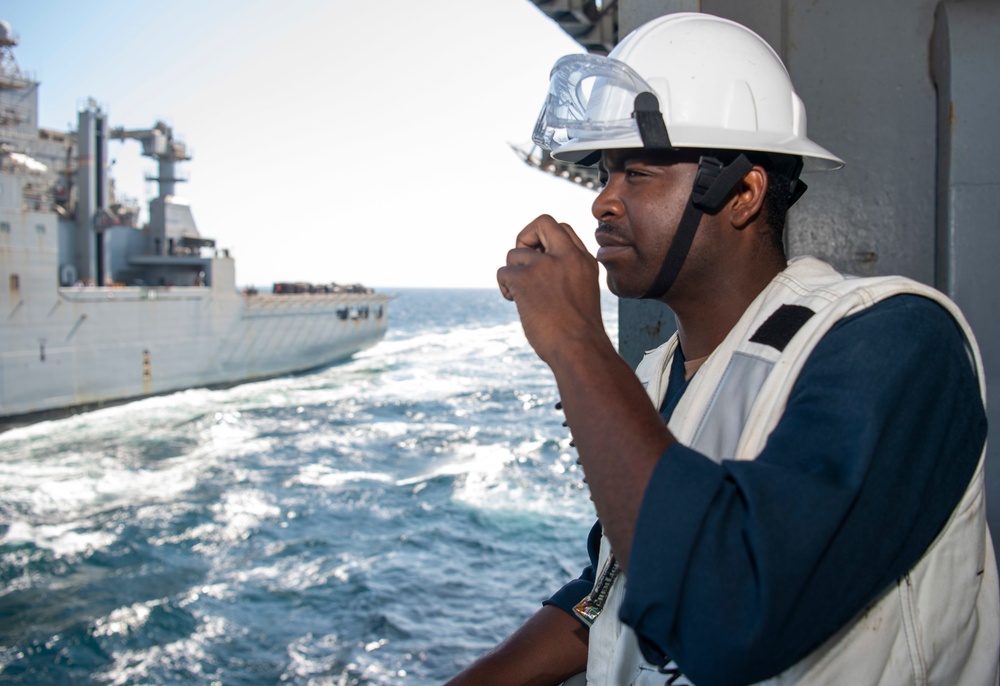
(749, 199)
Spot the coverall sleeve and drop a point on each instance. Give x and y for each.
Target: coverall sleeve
(739, 570)
(567, 597)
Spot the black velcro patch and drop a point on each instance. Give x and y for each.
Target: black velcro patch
(781, 326)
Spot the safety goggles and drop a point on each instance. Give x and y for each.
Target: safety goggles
(590, 98)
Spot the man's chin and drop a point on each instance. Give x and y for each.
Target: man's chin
(623, 290)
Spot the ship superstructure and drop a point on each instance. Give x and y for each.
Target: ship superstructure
(100, 308)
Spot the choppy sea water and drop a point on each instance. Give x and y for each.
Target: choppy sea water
(381, 521)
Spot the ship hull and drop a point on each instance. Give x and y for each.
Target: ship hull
(96, 308)
(95, 346)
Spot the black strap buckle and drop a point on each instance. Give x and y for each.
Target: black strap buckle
(715, 180)
(709, 170)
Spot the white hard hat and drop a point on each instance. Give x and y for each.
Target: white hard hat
(717, 84)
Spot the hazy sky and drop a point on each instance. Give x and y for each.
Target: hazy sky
(333, 140)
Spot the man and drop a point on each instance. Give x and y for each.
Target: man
(802, 502)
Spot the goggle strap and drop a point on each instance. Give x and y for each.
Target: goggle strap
(649, 119)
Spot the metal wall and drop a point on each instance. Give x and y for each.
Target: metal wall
(906, 92)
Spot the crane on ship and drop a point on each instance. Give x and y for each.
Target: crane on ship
(159, 144)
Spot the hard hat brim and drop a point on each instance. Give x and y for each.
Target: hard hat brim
(815, 158)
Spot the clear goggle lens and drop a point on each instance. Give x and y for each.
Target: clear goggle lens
(590, 97)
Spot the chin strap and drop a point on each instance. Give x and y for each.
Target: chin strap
(712, 185)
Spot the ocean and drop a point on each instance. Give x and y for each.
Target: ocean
(380, 521)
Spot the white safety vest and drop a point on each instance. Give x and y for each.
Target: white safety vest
(940, 623)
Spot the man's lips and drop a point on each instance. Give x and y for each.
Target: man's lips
(611, 243)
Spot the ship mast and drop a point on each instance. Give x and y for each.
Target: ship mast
(159, 144)
(171, 225)
(9, 69)
(11, 76)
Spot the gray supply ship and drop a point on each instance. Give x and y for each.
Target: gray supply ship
(99, 309)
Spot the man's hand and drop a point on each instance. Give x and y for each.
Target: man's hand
(618, 433)
(553, 280)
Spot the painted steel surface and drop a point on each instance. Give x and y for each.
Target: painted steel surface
(99, 309)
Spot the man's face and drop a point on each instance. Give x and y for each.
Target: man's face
(643, 197)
